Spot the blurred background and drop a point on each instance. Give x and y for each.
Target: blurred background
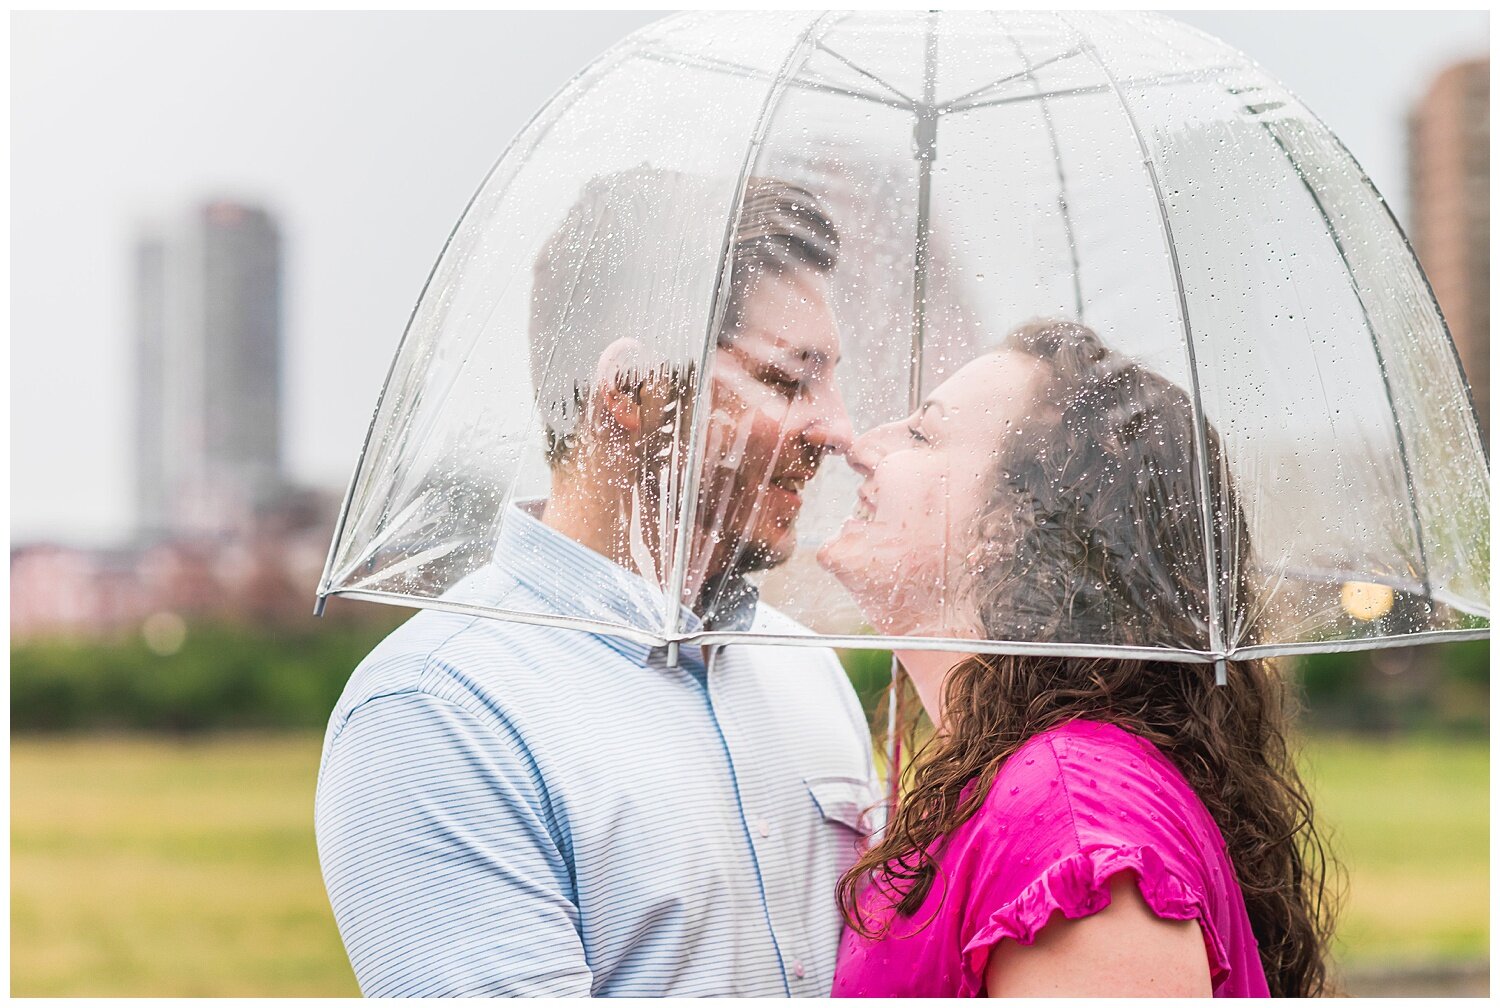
(219, 225)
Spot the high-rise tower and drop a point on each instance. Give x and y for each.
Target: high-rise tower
(208, 322)
(1448, 134)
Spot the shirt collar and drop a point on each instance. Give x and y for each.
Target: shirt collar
(573, 580)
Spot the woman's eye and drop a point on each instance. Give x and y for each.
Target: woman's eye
(916, 435)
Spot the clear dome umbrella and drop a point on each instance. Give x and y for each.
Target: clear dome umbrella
(1015, 332)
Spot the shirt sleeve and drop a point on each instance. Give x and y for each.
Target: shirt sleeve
(444, 876)
(1062, 837)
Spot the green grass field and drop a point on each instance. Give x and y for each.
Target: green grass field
(150, 867)
(1410, 822)
(144, 867)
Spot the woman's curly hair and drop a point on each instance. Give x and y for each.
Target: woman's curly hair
(1094, 533)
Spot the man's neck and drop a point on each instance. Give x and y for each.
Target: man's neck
(588, 520)
(613, 522)
(596, 513)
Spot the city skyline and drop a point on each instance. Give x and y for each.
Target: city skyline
(395, 127)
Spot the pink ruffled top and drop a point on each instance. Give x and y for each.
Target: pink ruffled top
(1071, 808)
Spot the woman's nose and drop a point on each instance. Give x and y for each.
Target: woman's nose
(868, 449)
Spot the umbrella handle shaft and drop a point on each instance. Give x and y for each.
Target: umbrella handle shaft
(893, 735)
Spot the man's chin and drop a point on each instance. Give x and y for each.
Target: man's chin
(760, 555)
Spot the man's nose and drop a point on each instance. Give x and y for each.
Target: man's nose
(831, 428)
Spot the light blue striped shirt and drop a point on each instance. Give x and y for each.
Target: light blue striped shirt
(508, 809)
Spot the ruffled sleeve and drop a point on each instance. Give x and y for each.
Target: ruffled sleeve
(1078, 885)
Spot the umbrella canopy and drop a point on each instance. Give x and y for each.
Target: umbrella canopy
(1125, 355)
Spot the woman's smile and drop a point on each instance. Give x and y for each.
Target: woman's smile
(927, 480)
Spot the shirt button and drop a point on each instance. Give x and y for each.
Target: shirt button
(797, 969)
(763, 827)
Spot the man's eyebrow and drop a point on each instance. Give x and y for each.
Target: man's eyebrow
(788, 357)
(776, 350)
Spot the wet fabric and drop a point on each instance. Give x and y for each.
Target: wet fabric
(1071, 809)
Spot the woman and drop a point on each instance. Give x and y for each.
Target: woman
(1075, 825)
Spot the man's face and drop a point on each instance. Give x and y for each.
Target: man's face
(775, 414)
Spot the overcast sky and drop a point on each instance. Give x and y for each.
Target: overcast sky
(366, 134)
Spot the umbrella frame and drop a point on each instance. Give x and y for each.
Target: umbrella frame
(927, 113)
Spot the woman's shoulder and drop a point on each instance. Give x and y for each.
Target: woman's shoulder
(1079, 750)
(1107, 782)
(1077, 805)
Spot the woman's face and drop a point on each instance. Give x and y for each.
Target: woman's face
(928, 478)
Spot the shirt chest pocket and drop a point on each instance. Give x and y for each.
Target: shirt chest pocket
(847, 801)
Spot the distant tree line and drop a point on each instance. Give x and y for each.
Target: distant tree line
(221, 676)
(1436, 687)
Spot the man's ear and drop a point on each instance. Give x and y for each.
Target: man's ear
(617, 381)
(665, 407)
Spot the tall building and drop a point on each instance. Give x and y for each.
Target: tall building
(208, 384)
(151, 448)
(1448, 134)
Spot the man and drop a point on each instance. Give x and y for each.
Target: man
(516, 809)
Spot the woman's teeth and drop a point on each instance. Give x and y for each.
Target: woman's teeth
(863, 511)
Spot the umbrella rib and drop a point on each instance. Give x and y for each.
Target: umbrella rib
(966, 645)
(910, 103)
(1335, 573)
(924, 132)
(413, 561)
(1361, 643)
(847, 92)
(798, 55)
(595, 68)
(961, 103)
(1082, 89)
(1385, 380)
(1062, 185)
(868, 642)
(1211, 561)
(673, 58)
(1390, 214)
(487, 611)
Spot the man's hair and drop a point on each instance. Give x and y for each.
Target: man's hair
(781, 227)
(602, 273)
